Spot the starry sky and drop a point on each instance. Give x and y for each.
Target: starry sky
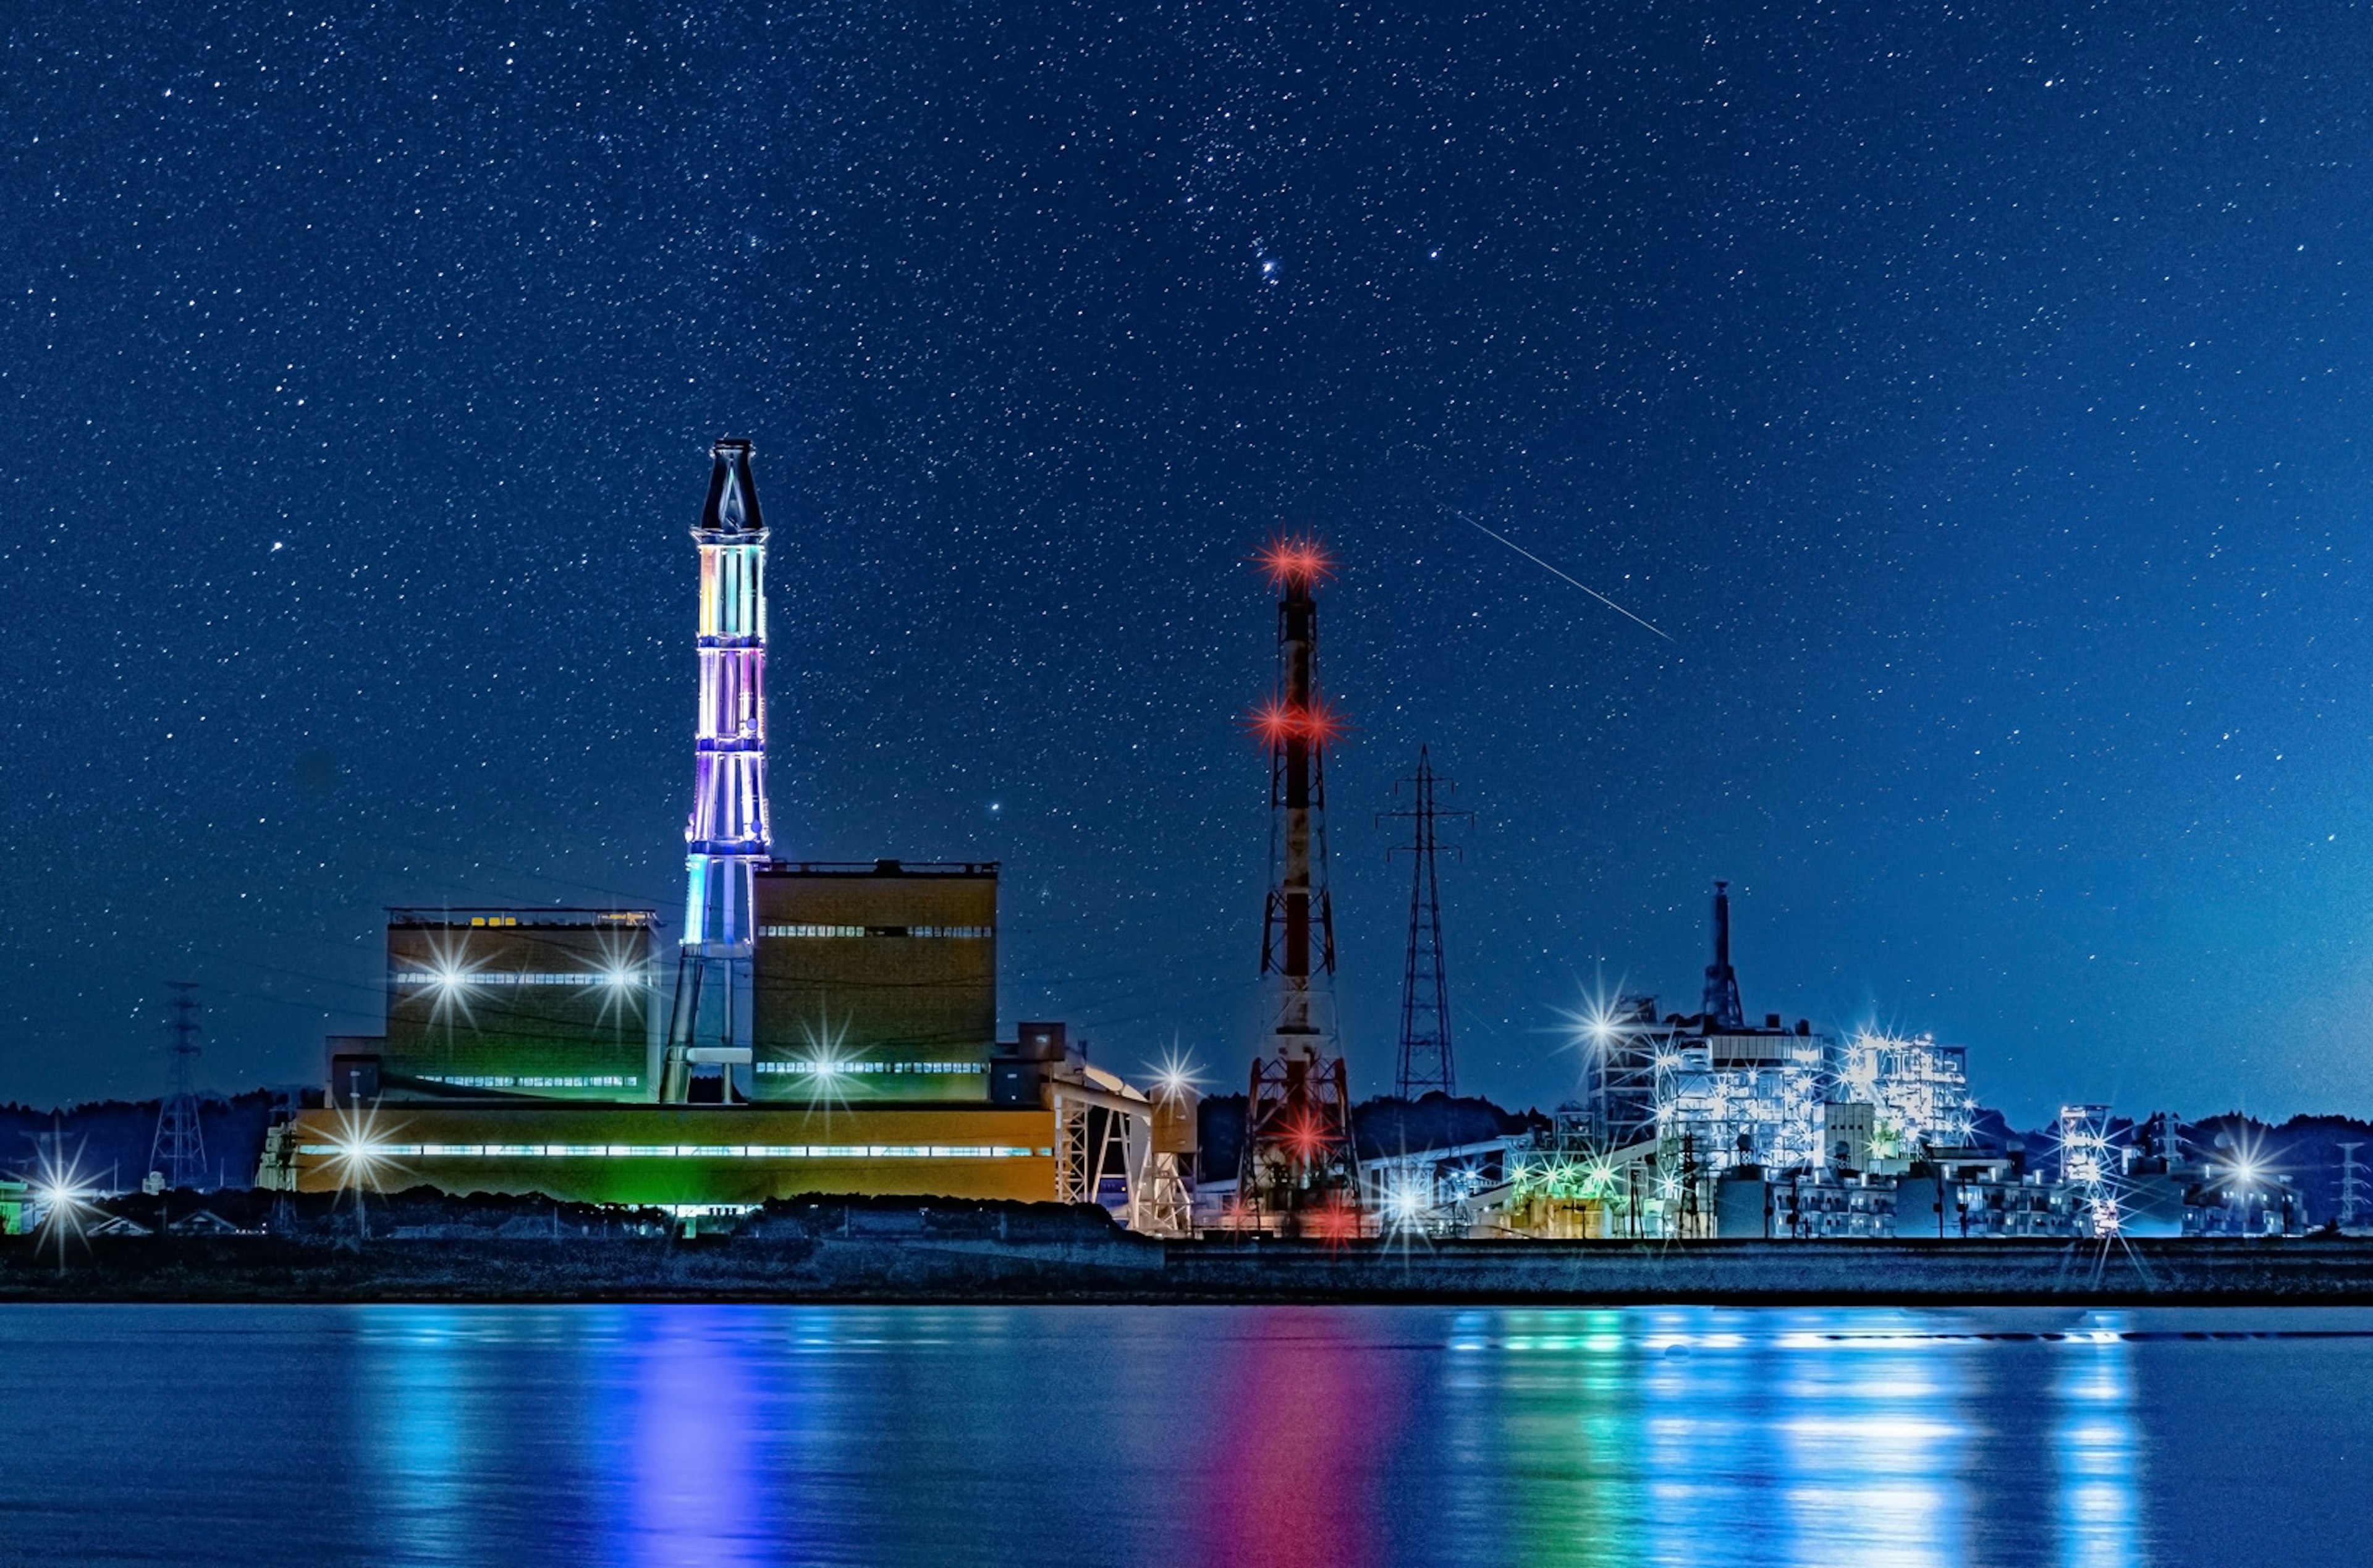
(1978, 402)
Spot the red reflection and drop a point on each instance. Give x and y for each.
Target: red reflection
(1295, 1490)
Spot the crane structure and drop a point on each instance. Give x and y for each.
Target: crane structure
(1300, 1169)
(728, 837)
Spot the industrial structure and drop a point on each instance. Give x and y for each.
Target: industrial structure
(1426, 1063)
(177, 1155)
(726, 838)
(1300, 1169)
(831, 1028)
(1676, 1106)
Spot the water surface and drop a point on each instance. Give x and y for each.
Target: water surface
(762, 1435)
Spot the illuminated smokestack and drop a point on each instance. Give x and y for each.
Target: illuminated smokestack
(727, 836)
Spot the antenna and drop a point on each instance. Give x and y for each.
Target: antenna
(2351, 1184)
(179, 1152)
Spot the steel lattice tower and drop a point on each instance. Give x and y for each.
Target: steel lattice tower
(179, 1150)
(1300, 1168)
(728, 837)
(1426, 1062)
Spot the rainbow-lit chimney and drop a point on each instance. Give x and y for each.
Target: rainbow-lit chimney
(727, 838)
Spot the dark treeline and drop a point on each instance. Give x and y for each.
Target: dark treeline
(111, 1139)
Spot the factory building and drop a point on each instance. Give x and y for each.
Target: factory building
(1681, 1110)
(553, 1003)
(1904, 1094)
(874, 983)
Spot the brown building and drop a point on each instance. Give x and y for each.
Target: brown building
(555, 1004)
(874, 983)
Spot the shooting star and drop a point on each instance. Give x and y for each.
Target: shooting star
(1577, 582)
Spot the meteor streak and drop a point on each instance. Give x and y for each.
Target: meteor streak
(1577, 582)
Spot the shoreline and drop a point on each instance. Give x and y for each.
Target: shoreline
(1122, 1269)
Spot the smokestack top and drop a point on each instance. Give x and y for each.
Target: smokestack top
(732, 505)
(1295, 563)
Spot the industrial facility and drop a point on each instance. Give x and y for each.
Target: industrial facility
(830, 1027)
(822, 1028)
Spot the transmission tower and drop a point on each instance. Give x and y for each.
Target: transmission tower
(179, 1152)
(2351, 1184)
(1426, 1062)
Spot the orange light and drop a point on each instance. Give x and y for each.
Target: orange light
(1297, 563)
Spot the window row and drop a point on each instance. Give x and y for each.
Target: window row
(672, 1150)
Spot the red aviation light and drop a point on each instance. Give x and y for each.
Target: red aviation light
(1335, 1222)
(1295, 563)
(1307, 1136)
(1278, 721)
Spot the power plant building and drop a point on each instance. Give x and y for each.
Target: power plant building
(556, 1003)
(874, 983)
(832, 1027)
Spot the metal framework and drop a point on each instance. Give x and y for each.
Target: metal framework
(178, 1153)
(1102, 1131)
(1625, 1062)
(1300, 1169)
(1426, 1063)
(728, 836)
(1919, 1089)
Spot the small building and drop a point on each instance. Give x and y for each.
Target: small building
(15, 1202)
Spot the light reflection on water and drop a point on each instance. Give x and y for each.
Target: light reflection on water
(732, 1435)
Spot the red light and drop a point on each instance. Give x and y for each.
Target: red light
(1298, 563)
(1336, 1222)
(1306, 1136)
(1276, 721)
(1319, 722)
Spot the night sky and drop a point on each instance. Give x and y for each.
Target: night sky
(1979, 403)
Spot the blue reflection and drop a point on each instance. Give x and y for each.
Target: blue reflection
(703, 1408)
(2095, 1449)
(1876, 1426)
(415, 1388)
